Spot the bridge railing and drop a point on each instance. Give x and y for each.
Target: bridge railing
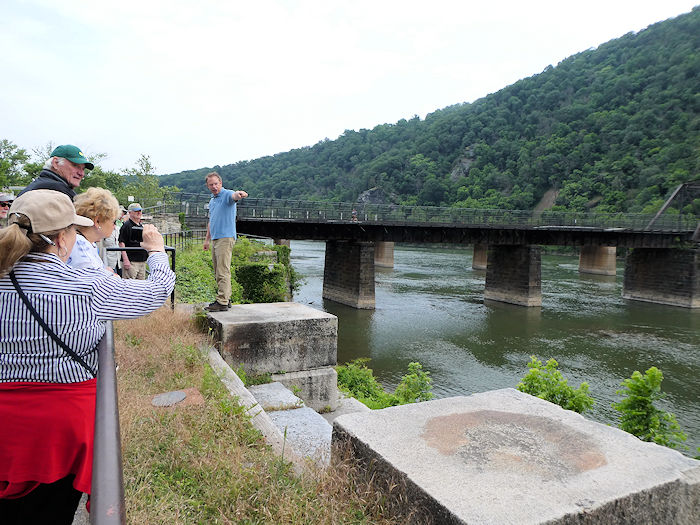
(310, 211)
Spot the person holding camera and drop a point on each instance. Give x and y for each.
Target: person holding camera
(130, 236)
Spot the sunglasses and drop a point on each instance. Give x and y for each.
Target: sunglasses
(5, 204)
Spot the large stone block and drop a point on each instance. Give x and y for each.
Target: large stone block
(506, 457)
(275, 337)
(318, 387)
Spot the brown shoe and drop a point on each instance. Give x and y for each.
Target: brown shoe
(216, 307)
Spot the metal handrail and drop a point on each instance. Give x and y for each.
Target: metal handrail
(107, 497)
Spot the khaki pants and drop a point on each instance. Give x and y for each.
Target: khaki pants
(136, 271)
(221, 250)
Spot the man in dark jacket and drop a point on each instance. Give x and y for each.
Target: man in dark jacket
(62, 172)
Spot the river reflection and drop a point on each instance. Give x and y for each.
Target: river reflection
(430, 308)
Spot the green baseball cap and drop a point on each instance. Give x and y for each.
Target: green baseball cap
(73, 154)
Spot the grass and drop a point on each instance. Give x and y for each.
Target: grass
(206, 463)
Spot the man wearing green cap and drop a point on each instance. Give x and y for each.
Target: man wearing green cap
(62, 172)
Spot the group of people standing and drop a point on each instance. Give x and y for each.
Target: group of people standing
(56, 295)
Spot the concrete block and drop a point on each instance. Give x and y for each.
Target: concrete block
(275, 396)
(275, 337)
(506, 457)
(307, 432)
(345, 405)
(318, 387)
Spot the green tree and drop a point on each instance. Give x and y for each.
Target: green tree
(12, 164)
(142, 183)
(640, 416)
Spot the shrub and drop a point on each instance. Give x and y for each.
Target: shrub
(262, 282)
(549, 384)
(415, 386)
(639, 415)
(356, 379)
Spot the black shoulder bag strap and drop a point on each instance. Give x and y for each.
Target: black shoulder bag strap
(48, 330)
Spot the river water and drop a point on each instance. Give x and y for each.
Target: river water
(430, 308)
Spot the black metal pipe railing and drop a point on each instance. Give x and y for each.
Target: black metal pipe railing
(107, 497)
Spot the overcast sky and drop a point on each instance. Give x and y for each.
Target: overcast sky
(197, 83)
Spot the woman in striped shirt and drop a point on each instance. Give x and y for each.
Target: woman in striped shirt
(47, 397)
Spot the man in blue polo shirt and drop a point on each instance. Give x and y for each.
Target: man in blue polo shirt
(221, 231)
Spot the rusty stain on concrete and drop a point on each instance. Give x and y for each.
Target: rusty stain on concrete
(511, 442)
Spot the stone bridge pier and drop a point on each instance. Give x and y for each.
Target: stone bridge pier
(663, 275)
(513, 273)
(348, 273)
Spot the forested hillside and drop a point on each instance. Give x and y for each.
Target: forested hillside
(613, 128)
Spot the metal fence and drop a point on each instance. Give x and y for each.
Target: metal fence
(183, 240)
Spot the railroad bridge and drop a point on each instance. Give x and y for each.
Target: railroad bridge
(662, 265)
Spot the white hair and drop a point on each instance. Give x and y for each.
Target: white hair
(49, 163)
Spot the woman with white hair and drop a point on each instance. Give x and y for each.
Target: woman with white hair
(99, 205)
(52, 317)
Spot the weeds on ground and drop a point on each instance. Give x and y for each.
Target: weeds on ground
(206, 463)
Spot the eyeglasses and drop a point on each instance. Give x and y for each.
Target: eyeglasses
(5, 204)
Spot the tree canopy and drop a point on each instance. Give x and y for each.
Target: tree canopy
(614, 128)
(140, 182)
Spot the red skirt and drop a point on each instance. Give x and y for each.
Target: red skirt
(46, 433)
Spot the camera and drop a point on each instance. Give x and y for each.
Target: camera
(136, 233)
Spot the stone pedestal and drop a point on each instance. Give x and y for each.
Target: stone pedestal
(275, 337)
(663, 275)
(507, 457)
(282, 242)
(384, 254)
(348, 274)
(318, 387)
(480, 257)
(513, 275)
(598, 260)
